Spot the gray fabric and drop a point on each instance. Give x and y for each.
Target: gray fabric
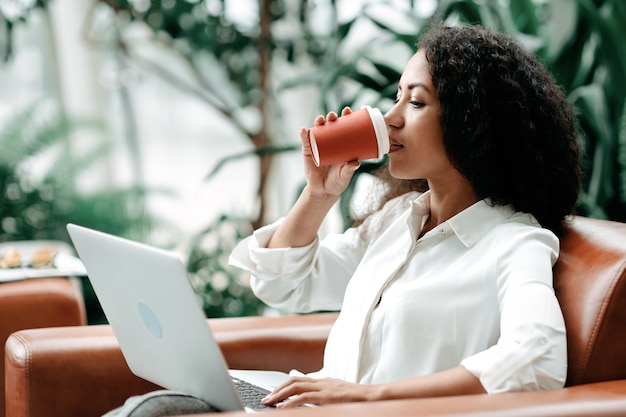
(161, 403)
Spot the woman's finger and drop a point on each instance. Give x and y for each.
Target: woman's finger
(319, 120)
(304, 137)
(299, 400)
(293, 386)
(331, 116)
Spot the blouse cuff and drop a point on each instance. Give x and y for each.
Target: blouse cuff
(527, 366)
(253, 256)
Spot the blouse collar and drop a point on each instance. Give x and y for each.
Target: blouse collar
(470, 225)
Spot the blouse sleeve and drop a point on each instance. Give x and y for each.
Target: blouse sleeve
(314, 277)
(531, 353)
(306, 279)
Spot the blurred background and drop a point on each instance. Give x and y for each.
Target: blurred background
(175, 122)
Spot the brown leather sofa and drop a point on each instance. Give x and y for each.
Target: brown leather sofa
(37, 303)
(81, 372)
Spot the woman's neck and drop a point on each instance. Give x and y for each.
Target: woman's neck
(448, 201)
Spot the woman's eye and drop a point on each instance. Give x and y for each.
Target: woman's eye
(416, 104)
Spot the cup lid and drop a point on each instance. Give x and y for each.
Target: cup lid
(380, 128)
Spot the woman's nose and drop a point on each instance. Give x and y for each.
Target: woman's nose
(392, 118)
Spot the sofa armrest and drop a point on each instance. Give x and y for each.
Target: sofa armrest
(36, 303)
(602, 399)
(80, 371)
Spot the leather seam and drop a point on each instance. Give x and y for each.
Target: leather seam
(27, 370)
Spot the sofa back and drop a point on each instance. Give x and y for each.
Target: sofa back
(590, 285)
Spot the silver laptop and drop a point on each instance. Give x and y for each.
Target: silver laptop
(158, 322)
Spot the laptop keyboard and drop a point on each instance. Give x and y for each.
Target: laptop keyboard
(251, 395)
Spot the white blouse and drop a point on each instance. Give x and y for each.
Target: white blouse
(475, 291)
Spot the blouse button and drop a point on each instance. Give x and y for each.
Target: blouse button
(442, 232)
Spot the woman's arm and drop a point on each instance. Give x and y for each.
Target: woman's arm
(303, 390)
(531, 352)
(299, 227)
(324, 186)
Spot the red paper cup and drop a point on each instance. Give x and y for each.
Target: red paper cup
(356, 136)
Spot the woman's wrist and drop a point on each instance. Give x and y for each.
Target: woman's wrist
(300, 226)
(319, 199)
(378, 392)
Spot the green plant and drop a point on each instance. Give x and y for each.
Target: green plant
(229, 66)
(576, 39)
(241, 69)
(224, 290)
(38, 190)
(38, 176)
(579, 42)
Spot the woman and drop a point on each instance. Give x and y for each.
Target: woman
(449, 291)
(442, 292)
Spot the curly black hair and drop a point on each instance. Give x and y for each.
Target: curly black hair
(507, 126)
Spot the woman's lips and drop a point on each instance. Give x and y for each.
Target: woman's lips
(394, 146)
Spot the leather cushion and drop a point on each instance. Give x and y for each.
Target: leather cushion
(591, 288)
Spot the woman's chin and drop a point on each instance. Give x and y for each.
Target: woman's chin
(399, 173)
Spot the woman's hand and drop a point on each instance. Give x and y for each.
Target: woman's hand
(297, 391)
(301, 390)
(330, 180)
(324, 185)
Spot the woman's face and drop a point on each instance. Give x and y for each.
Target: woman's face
(415, 135)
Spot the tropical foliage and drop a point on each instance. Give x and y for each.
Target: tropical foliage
(38, 182)
(578, 40)
(40, 194)
(244, 71)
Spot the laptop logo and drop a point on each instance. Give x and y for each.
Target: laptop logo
(149, 319)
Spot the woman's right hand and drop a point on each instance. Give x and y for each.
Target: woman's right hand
(324, 185)
(331, 180)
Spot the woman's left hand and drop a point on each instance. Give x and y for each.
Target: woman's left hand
(297, 391)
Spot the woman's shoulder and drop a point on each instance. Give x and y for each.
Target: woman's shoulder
(379, 220)
(520, 230)
(395, 207)
(401, 202)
